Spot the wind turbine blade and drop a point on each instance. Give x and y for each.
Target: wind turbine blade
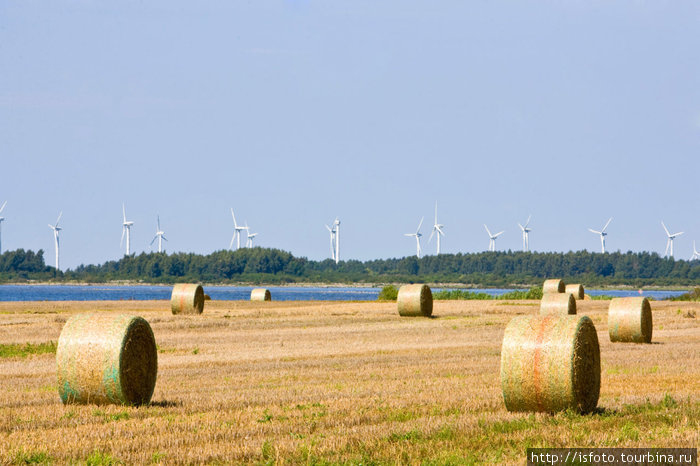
(59, 218)
(405, 234)
(232, 238)
(487, 230)
(499, 234)
(124, 212)
(522, 227)
(420, 224)
(678, 234)
(52, 227)
(593, 231)
(3, 206)
(528, 220)
(666, 229)
(440, 232)
(328, 228)
(234, 218)
(166, 239)
(154, 238)
(431, 235)
(606, 225)
(158, 217)
(435, 212)
(122, 240)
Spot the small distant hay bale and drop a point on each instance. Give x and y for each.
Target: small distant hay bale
(558, 304)
(629, 320)
(260, 294)
(587, 297)
(415, 300)
(550, 363)
(207, 297)
(576, 290)
(553, 285)
(106, 359)
(187, 298)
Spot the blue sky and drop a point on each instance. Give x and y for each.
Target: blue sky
(296, 112)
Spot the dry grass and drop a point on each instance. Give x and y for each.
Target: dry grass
(341, 383)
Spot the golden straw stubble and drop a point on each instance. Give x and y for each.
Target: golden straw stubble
(629, 320)
(558, 304)
(106, 358)
(550, 363)
(260, 294)
(576, 290)
(415, 300)
(553, 285)
(187, 298)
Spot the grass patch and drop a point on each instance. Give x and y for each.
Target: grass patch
(120, 416)
(98, 458)
(533, 293)
(388, 293)
(19, 350)
(32, 457)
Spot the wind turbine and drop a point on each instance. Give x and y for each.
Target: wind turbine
(526, 234)
(669, 242)
(492, 238)
(437, 227)
(56, 229)
(126, 228)
(332, 232)
(236, 232)
(696, 254)
(249, 236)
(336, 227)
(1, 220)
(417, 234)
(160, 234)
(602, 235)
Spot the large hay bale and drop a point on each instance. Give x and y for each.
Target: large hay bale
(629, 320)
(557, 304)
(415, 300)
(550, 363)
(106, 358)
(576, 290)
(553, 285)
(260, 294)
(187, 298)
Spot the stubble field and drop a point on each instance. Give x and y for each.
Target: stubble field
(348, 383)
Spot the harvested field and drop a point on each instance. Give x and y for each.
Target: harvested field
(315, 382)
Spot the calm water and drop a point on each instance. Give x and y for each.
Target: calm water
(116, 293)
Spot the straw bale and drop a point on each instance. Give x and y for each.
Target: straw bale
(106, 358)
(550, 363)
(415, 300)
(187, 298)
(553, 285)
(576, 290)
(629, 320)
(558, 304)
(260, 294)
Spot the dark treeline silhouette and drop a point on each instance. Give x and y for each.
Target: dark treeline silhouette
(262, 265)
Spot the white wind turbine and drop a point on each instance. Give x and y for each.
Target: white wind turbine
(56, 229)
(602, 235)
(332, 232)
(492, 238)
(160, 235)
(526, 234)
(696, 254)
(437, 228)
(669, 242)
(336, 227)
(236, 232)
(417, 234)
(126, 228)
(1, 220)
(249, 236)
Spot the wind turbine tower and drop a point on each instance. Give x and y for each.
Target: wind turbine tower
(56, 229)
(160, 235)
(437, 228)
(526, 234)
(249, 236)
(602, 234)
(669, 242)
(1, 220)
(236, 232)
(332, 232)
(417, 235)
(336, 227)
(126, 228)
(492, 238)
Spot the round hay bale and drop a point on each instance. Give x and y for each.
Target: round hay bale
(587, 297)
(629, 320)
(553, 285)
(576, 290)
(187, 298)
(260, 294)
(557, 304)
(415, 300)
(550, 363)
(207, 297)
(105, 359)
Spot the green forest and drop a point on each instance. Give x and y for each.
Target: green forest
(273, 266)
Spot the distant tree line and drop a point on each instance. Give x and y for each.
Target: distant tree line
(273, 266)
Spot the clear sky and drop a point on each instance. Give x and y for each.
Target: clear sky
(294, 112)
